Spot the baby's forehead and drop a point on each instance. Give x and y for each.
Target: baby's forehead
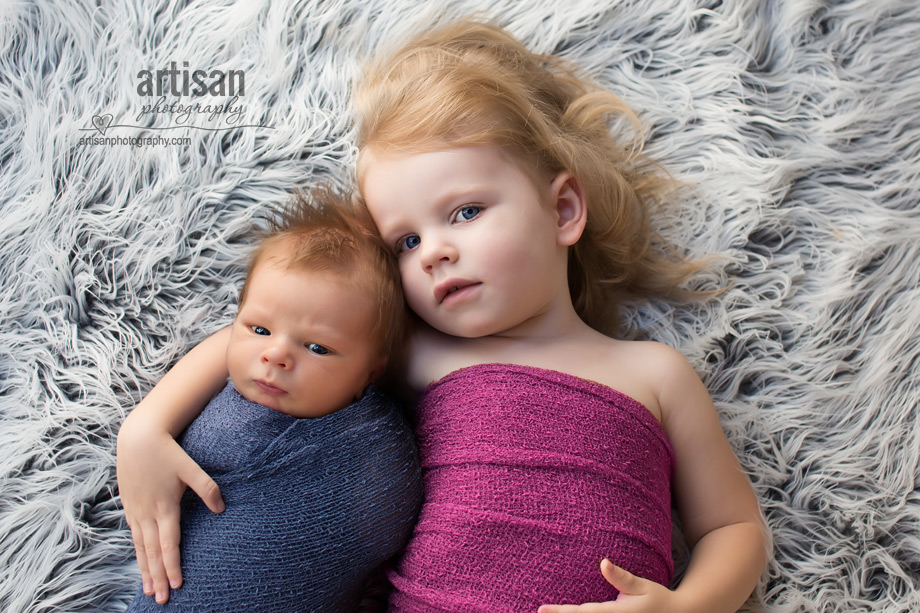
(353, 278)
(350, 288)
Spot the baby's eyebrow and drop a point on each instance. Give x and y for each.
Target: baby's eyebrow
(327, 334)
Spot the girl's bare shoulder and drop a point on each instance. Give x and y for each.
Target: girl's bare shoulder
(646, 370)
(656, 359)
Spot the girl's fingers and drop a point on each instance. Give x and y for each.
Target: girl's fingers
(638, 594)
(141, 553)
(153, 555)
(559, 608)
(169, 549)
(624, 581)
(590, 607)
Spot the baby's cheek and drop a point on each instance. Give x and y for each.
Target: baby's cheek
(235, 363)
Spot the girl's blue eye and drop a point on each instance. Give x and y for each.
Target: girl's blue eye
(409, 243)
(317, 349)
(468, 212)
(260, 330)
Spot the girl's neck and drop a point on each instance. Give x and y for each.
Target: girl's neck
(557, 324)
(555, 334)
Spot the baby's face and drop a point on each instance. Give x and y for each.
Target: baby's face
(302, 341)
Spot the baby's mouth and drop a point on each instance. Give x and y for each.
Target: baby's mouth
(268, 388)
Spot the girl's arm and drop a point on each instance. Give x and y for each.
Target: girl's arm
(153, 470)
(719, 513)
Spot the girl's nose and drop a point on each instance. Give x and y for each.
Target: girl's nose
(437, 251)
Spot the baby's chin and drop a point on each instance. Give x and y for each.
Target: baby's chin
(285, 403)
(252, 393)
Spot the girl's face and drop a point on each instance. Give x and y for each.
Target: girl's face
(477, 244)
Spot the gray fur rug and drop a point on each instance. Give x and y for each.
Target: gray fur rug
(797, 122)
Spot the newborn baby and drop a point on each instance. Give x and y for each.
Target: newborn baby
(317, 467)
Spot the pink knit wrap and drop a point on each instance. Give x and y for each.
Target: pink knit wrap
(532, 477)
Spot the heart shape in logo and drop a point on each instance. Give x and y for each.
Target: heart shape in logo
(102, 122)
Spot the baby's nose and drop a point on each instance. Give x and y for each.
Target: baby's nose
(277, 355)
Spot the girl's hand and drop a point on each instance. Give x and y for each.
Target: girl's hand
(153, 472)
(637, 595)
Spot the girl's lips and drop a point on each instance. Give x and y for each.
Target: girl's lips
(269, 389)
(450, 287)
(459, 294)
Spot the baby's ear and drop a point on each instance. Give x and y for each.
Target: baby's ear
(570, 208)
(377, 369)
(373, 374)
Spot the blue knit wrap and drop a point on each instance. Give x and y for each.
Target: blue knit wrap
(313, 505)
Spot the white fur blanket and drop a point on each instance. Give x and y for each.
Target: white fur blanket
(797, 121)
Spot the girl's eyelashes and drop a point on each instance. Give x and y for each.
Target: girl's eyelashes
(261, 331)
(317, 349)
(466, 213)
(408, 243)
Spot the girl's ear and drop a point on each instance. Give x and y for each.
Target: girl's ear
(570, 208)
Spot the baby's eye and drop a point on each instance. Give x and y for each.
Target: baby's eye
(260, 330)
(467, 213)
(317, 349)
(408, 243)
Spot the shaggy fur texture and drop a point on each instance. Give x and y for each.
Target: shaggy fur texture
(797, 122)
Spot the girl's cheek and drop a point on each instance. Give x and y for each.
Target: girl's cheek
(407, 270)
(415, 298)
(413, 292)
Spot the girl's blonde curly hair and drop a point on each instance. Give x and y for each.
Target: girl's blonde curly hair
(471, 83)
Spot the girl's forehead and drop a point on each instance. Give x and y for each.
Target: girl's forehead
(399, 185)
(392, 173)
(372, 153)
(498, 155)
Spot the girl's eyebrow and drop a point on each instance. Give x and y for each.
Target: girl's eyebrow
(475, 192)
(391, 231)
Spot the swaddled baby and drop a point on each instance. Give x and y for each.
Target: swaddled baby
(317, 467)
